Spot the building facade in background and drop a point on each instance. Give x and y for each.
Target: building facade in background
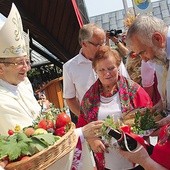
(114, 20)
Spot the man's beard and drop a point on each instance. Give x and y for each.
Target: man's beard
(160, 56)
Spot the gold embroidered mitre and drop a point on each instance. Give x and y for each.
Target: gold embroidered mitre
(27, 42)
(12, 41)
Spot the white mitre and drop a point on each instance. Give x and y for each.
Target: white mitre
(12, 41)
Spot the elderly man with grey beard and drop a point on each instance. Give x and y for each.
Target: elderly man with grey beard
(149, 37)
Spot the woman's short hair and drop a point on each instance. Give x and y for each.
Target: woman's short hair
(105, 52)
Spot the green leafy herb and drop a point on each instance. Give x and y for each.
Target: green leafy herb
(109, 122)
(144, 122)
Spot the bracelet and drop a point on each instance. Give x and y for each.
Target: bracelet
(116, 43)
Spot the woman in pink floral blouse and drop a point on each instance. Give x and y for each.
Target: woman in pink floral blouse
(112, 94)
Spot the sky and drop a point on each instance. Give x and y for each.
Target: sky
(97, 7)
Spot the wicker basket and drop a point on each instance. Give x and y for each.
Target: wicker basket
(129, 118)
(47, 157)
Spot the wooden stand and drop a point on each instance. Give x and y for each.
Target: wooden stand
(54, 93)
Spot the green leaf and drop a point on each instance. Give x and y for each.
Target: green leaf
(24, 148)
(143, 122)
(37, 146)
(57, 138)
(12, 150)
(15, 145)
(23, 137)
(108, 122)
(3, 137)
(47, 139)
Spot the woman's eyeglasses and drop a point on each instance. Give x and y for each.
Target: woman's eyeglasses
(104, 71)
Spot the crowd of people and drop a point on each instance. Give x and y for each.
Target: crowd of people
(95, 84)
(147, 42)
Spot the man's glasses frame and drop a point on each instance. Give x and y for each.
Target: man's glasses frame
(19, 63)
(96, 45)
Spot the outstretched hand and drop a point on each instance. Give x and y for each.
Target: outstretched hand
(92, 129)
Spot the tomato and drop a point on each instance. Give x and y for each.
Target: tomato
(10, 132)
(60, 131)
(50, 124)
(46, 124)
(62, 120)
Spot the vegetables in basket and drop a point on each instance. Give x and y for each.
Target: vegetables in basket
(44, 132)
(15, 146)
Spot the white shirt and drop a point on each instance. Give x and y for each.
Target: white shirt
(78, 76)
(113, 160)
(123, 71)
